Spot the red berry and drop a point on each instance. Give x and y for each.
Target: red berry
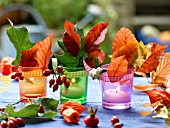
(20, 122)
(13, 76)
(52, 81)
(2, 109)
(55, 87)
(6, 69)
(63, 77)
(67, 83)
(11, 124)
(114, 120)
(59, 69)
(13, 119)
(3, 124)
(41, 109)
(118, 125)
(59, 81)
(21, 77)
(18, 74)
(46, 72)
(14, 68)
(17, 78)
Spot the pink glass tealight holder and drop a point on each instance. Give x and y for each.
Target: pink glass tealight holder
(117, 95)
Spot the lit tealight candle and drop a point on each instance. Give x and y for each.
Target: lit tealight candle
(116, 96)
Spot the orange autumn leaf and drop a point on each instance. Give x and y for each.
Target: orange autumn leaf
(95, 36)
(145, 87)
(96, 53)
(127, 50)
(159, 95)
(117, 67)
(121, 38)
(153, 60)
(71, 39)
(72, 104)
(39, 55)
(162, 74)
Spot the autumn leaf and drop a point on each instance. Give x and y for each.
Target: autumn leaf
(153, 60)
(117, 67)
(127, 50)
(71, 39)
(159, 95)
(140, 55)
(162, 74)
(96, 53)
(145, 87)
(39, 55)
(95, 36)
(121, 38)
(152, 106)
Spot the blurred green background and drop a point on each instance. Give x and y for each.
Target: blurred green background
(55, 12)
(132, 14)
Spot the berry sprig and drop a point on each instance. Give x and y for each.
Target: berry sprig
(12, 122)
(59, 80)
(18, 74)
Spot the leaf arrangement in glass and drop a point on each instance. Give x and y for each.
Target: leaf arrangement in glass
(78, 47)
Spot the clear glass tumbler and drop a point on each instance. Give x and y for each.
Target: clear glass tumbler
(117, 95)
(77, 90)
(33, 85)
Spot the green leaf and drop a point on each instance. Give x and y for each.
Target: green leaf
(82, 53)
(28, 111)
(67, 60)
(50, 114)
(96, 62)
(20, 38)
(79, 30)
(62, 46)
(50, 104)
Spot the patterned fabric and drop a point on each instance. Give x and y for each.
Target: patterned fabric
(87, 67)
(4, 83)
(76, 74)
(33, 73)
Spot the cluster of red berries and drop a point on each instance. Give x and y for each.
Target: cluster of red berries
(115, 121)
(13, 122)
(56, 81)
(17, 76)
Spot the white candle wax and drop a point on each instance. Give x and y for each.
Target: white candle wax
(115, 96)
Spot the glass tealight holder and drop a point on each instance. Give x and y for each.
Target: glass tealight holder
(117, 91)
(33, 85)
(77, 91)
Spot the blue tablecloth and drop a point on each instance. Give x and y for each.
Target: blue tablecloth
(129, 117)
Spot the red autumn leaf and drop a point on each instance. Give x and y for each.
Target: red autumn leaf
(39, 55)
(44, 52)
(159, 95)
(71, 39)
(99, 54)
(118, 66)
(153, 60)
(127, 50)
(121, 38)
(95, 36)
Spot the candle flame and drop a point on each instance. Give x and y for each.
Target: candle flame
(73, 80)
